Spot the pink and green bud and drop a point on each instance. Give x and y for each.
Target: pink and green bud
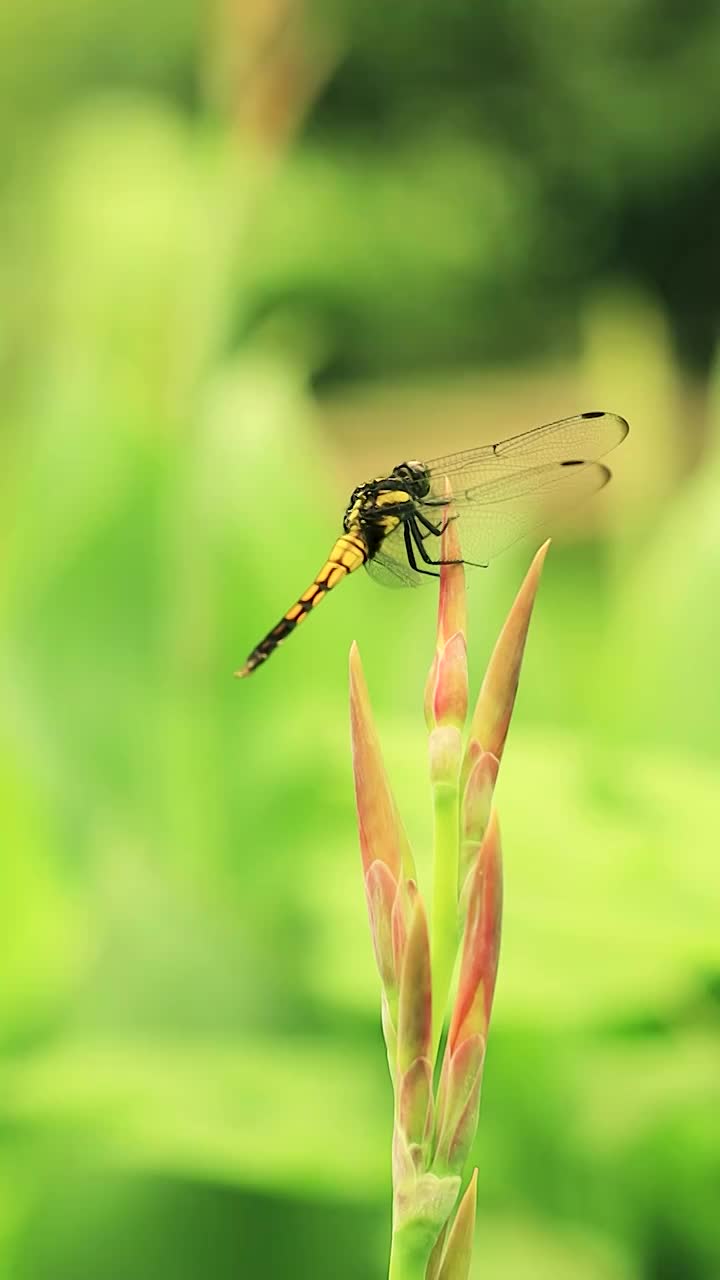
(481, 945)
(446, 690)
(433, 1135)
(414, 1033)
(459, 1104)
(456, 1256)
(415, 1109)
(494, 708)
(415, 1005)
(482, 775)
(382, 835)
(446, 701)
(382, 893)
(385, 850)
(459, 1094)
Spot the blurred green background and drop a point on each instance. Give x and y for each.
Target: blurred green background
(251, 253)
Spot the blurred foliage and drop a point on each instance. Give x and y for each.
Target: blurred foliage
(591, 121)
(191, 1070)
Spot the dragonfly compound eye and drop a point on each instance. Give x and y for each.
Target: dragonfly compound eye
(415, 474)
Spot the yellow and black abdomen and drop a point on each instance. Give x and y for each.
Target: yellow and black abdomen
(349, 553)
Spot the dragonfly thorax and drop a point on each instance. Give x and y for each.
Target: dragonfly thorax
(382, 503)
(378, 507)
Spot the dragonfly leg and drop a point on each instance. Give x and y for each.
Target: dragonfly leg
(417, 539)
(410, 550)
(429, 527)
(437, 529)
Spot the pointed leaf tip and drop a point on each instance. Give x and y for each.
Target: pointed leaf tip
(491, 718)
(446, 688)
(452, 602)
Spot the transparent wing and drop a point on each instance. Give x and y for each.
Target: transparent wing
(390, 566)
(500, 492)
(513, 507)
(585, 438)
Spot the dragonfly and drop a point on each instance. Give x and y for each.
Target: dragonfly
(499, 492)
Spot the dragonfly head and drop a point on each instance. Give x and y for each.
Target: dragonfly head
(415, 476)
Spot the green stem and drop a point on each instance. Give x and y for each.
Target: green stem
(444, 933)
(410, 1252)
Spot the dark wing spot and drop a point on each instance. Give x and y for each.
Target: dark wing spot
(595, 413)
(574, 462)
